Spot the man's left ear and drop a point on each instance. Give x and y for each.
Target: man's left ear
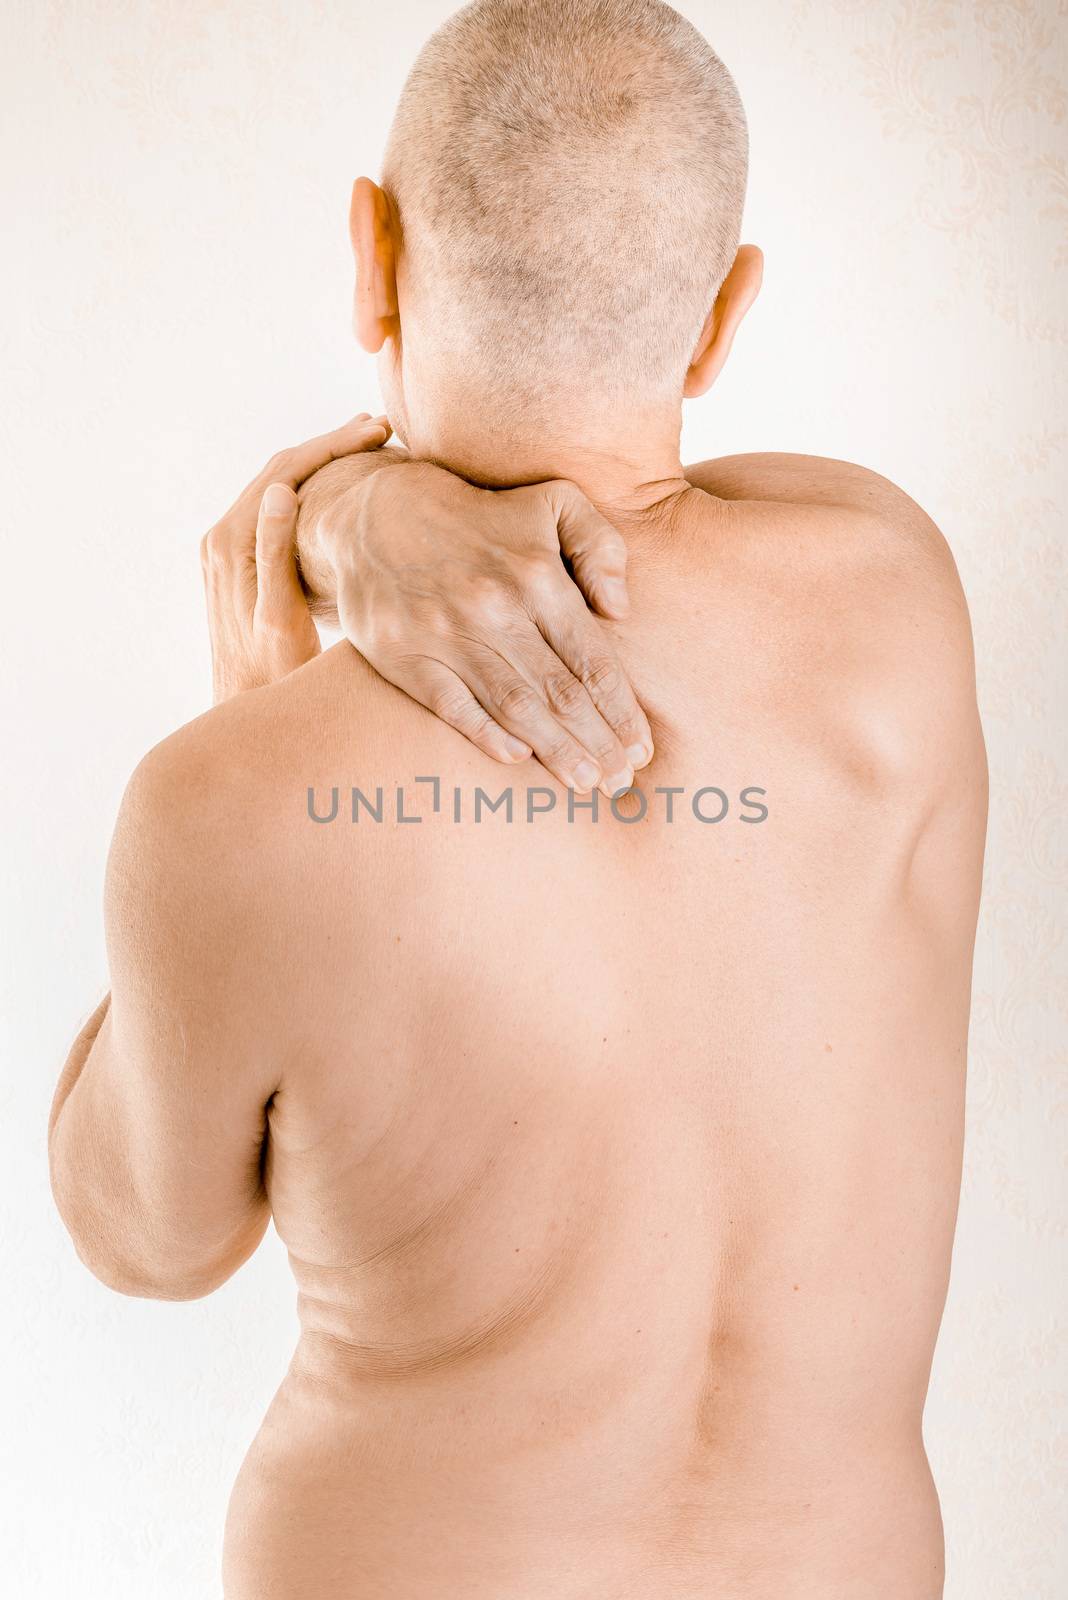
(373, 233)
(738, 291)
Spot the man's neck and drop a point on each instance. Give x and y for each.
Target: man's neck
(624, 490)
(629, 482)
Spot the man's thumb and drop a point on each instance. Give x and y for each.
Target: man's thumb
(597, 553)
(277, 583)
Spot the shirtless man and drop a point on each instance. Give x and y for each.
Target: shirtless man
(617, 1157)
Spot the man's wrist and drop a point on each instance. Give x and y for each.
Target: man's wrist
(328, 517)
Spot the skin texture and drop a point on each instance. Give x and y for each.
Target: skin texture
(459, 596)
(617, 1165)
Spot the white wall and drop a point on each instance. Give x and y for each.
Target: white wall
(175, 304)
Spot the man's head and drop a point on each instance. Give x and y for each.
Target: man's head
(560, 208)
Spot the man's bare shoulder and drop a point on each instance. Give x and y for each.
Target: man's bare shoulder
(216, 835)
(237, 785)
(858, 593)
(235, 770)
(860, 519)
(791, 479)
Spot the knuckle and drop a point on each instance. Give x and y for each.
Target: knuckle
(456, 707)
(629, 732)
(559, 751)
(564, 492)
(480, 585)
(498, 616)
(213, 545)
(406, 616)
(604, 677)
(565, 694)
(540, 572)
(434, 618)
(607, 751)
(518, 700)
(470, 720)
(610, 543)
(481, 592)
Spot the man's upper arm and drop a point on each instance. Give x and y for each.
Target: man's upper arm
(156, 1150)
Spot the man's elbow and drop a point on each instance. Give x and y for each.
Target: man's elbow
(142, 1280)
(109, 1252)
(130, 1272)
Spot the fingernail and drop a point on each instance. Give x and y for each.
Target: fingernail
(614, 591)
(516, 749)
(278, 500)
(619, 784)
(586, 775)
(638, 755)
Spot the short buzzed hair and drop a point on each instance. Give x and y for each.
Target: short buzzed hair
(569, 176)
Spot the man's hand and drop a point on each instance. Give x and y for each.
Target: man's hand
(258, 618)
(461, 598)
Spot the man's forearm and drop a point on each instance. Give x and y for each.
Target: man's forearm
(318, 496)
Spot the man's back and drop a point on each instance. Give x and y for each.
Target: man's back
(618, 1160)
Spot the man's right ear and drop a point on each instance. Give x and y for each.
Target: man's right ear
(373, 234)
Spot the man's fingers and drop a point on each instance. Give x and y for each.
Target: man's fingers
(228, 567)
(596, 551)
(573, 709)
(443, 693)
(303, 460)
(278, 590)
(584, 648)
(515, 701)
